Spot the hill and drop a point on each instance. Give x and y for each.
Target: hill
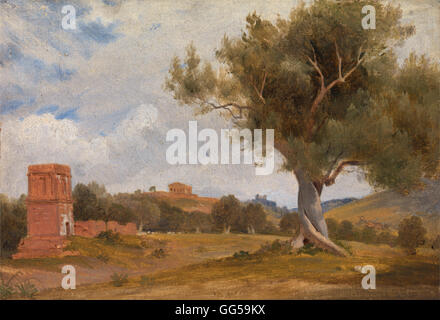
(186, 202)
(388, 208)
(331, 204)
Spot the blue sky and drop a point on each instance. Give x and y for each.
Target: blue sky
(93, 97)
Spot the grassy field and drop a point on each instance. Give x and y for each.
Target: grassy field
(202, 266)
(134, 255)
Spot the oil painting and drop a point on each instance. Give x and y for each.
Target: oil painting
(210, 150)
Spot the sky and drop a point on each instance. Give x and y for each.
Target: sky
(93, 97)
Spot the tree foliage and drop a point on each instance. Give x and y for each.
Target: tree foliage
(334, 93)
(230, 214)
(411, 234)
(85, 203)
(329, 88)
(88, 205)
(226, 212)
(289, 222)
(171, 218)
(346, 230)
(13, 225)
(252, 218)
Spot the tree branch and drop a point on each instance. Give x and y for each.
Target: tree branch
(314, 63)
(339, 60)
(228, 107)
(330, 179)
(260, 92)
(325, 89)
(263, 83)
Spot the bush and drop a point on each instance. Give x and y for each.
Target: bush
(26, 289)
(241, 255)
(119, 279)
(276, 247)
(6, 291)
(110, 237)
(6, 286)
(159, 253)
(411, 234)
(103, 257)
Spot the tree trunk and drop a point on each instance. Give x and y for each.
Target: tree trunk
(226, 229)
(313, 227)
(251, 229)
(141, 226)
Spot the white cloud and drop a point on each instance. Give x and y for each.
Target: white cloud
(44, 139)
(119, 138)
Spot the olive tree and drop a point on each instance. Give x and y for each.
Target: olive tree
(335, 94)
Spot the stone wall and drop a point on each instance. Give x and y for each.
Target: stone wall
(91, 228)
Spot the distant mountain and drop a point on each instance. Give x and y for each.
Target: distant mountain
(332, 204)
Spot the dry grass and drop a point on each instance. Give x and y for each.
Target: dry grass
(134, 256)
(271, 276)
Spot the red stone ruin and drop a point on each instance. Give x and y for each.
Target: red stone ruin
(177, 187)
(49, 211)
(50, 214)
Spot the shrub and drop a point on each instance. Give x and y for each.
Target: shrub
(119, 279)
(241, 255)
(276, 247)
(6, 287)
(27, 289)
(110, 237)
(159, 253)
(103, 257)
(411, 234)
(6, 291)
